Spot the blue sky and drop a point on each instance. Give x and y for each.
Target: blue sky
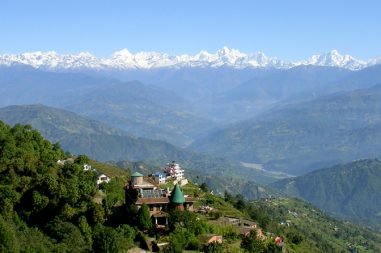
(291, 30)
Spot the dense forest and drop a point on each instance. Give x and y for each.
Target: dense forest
(45, 207)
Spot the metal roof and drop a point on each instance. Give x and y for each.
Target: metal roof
(137, 174)
(177, 195)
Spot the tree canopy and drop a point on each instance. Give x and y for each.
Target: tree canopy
(44, 206)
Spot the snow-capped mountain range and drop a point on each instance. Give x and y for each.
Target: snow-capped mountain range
(124, 60)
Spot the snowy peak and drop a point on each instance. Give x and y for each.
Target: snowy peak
(335, 59)
(230, 54)
(375, 61)
(225, 57)
(51, 60)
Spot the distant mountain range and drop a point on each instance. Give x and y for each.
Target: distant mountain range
(305, 136)
(225, 57)
(293, 109)
(350, 191)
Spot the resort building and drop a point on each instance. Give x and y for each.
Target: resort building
(102, 178)
(174, 171)
(142, 190)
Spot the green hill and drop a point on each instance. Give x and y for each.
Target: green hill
(306, 136)
(349, 191)
(44, 207)
(55, 123)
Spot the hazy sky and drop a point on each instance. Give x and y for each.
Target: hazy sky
(290, 30)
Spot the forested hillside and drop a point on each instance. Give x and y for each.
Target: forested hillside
(349, 191)
(46, 207)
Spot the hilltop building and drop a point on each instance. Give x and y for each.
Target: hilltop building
(160, 178)
(174, 171)
(142, 190)
(102, 178)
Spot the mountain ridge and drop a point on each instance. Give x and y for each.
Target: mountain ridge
(348, 190)
(298, 138)
(124, 60)
(139, 109)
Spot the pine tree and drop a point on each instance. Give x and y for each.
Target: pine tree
(144, 218)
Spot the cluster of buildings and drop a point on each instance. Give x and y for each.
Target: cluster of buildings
(146, 190)
(172, 172)
(142, 190)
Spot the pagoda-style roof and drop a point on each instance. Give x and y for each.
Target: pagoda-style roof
(177, 195)
(137, 174)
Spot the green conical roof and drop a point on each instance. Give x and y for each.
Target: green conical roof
(136, 174)
(177, 195)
